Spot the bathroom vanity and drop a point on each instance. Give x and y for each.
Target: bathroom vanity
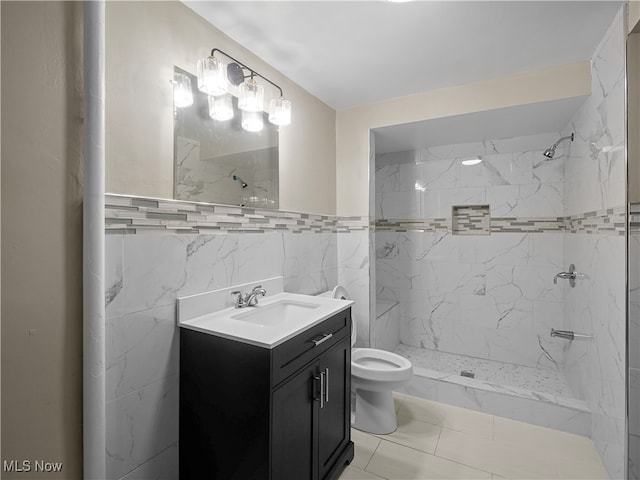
(276, 411)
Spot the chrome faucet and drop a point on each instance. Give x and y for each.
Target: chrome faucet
(248, 299)
(251, 299)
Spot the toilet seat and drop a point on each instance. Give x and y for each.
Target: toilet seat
(374, 364)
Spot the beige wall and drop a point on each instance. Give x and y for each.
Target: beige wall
(353, 125)
(634, 16)
(42, 235)
(144, 41)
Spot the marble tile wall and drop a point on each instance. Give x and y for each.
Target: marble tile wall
(353, 274)
(595, 179)
(487, 295)
(385, 326)
(514, 179)
(146, 272)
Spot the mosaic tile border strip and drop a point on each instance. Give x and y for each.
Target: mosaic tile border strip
(134, 215)
(610, 221)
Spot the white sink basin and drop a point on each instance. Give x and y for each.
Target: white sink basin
(274, 320)
(275, 313)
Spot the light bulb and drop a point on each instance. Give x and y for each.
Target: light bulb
(220, 107)
(212, 78)
(251, 96)
(182, 92)
(280, 111)
(252, 121)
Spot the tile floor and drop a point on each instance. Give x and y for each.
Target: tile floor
(438, 441)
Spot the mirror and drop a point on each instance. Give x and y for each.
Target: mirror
(220, 162)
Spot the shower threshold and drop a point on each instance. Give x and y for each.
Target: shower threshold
(534, 395)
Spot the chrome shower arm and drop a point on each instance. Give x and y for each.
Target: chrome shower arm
(562, 139)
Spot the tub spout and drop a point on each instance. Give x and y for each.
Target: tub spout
(570, 335)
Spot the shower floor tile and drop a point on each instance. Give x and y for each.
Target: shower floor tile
(541, 380)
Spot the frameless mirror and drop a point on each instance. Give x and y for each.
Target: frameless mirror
(218, 161)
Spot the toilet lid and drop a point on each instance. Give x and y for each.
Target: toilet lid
(341, 293)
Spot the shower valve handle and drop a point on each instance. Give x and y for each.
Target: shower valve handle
(565, 276)
(571, 275)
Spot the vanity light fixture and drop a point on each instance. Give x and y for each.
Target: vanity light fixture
(182, 92)
(471, 161)
(250, 92)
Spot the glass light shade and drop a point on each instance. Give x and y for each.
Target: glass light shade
(220, 107)
(182, 92)
(251, 96)
(252, 121)
(212, 78)
(280, 111)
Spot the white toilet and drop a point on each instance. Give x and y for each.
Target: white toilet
(374, 374)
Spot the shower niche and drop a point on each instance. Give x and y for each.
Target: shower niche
(471, 220)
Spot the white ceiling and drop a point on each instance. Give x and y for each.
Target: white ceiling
(531, 119)
(354, 53)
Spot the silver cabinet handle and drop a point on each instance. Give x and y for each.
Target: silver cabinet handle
(326, 385)
(317, 379)
(324, 338)
(322, 387)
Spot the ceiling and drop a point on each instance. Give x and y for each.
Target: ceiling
(354, 53)
(530, 119)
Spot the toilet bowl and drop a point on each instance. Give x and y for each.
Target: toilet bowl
(374, 374)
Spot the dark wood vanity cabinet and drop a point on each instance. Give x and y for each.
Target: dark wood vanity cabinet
(248, 412)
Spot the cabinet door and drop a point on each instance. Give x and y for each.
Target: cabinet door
(334, 416)
(294, 435)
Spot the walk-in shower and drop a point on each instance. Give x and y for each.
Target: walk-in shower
(469, 263)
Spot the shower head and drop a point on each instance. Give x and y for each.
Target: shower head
(243, 184)
(551, 151)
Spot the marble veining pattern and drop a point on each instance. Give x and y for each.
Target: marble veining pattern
(486, 296)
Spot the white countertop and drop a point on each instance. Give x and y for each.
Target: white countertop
(238, 324)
